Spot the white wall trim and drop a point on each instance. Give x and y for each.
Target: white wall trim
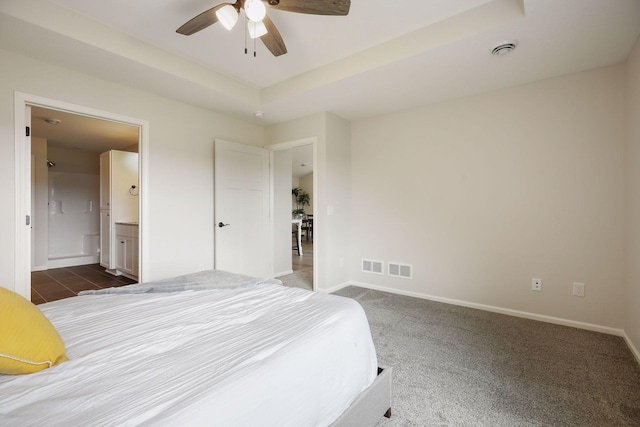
(22, 239)
(292, 144)
(632, 347)
(342, 286)
(493, 309)
(23, 180)
(283, 273)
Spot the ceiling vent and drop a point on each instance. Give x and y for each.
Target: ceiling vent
(504, 48)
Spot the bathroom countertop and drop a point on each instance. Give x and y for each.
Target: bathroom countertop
(127, 223)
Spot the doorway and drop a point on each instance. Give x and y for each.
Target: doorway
(30, 112)
(66, 212)
(301, 156)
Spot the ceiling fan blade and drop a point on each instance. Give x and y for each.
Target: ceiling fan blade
(273, 40)
(314, 7)
(200, 22)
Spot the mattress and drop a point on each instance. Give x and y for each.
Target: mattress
(258, 354)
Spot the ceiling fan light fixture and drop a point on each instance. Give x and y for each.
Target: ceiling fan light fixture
(228, 16)
(255, 10)
(256, 29)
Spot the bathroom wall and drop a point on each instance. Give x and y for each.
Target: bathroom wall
(39, 204)
(74, 207)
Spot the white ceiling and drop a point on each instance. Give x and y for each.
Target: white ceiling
(384, 56)
(78, 132)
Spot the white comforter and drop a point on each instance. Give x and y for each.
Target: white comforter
(250, 356)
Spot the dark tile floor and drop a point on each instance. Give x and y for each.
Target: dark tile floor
(59, 283)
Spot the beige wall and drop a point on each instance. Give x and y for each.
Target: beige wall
(39, 204)
(485, 193)
(306, 182)
(74, 161)
(180, 169)
(632, 296)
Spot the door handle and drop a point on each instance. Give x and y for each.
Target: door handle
(221, 224)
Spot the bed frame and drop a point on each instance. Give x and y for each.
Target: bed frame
(370, 405)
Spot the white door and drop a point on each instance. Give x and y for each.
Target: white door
(242, 209)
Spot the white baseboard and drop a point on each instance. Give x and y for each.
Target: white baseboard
(283, 273)
(632, 347)
(343, 285)
(39, 268)
(493, 309)
(72, 261)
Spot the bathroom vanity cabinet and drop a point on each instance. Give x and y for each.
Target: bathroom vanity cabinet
(118, 202)
(127, 249)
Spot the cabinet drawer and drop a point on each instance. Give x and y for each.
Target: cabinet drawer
(125, 230)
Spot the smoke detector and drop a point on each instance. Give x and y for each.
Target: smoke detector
(504, 48)
(258, 115)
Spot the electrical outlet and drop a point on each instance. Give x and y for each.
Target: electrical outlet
(536, 285)
(578, 289)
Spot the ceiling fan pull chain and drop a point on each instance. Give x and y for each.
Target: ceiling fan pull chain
(246, 30)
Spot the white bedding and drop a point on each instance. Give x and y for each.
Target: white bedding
(250, 356)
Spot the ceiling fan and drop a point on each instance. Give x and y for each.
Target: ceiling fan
(259, 24)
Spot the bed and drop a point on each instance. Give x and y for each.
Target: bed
(211, 348)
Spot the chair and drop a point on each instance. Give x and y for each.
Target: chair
(294, 233)
(307, 227)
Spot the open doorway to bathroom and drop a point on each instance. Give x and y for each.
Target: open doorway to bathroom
(65, 200)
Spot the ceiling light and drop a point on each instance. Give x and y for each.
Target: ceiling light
(256, 29)
(53, 121)
(258, 115)
(228, 16)
(504, 48)
(255, 10)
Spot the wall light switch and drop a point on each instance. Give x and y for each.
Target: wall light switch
(578, 289)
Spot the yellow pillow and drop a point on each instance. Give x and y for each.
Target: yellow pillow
(28, 341)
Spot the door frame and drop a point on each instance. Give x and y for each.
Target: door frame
(22, 244)
(316, 200)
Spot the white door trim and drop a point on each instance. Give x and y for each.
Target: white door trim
(316, 200)
(22, 271)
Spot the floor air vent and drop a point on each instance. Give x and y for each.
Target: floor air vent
(400, 270)
(370, 266)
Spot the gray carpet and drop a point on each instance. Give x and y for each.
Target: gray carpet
(455, 366)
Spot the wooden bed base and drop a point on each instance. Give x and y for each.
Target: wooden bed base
(371, 405)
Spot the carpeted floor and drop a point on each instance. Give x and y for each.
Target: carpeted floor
(455, 366)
